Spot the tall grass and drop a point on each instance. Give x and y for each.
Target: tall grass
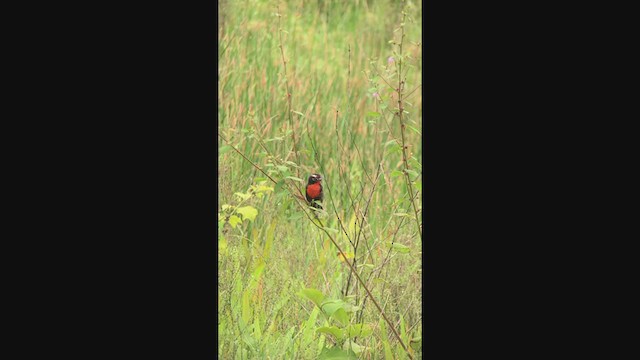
(331, 87)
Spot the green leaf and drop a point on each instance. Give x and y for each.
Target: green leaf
(396, 173)
(414, 174)
(263, 188)
(246, 308)
(297, 112)
(335, 309)
(279, 185)
(359, 330)
(350, 345)
(248, 212)
(330, 306)
(335, 331)
(342, 316)
(415, 163)
(222, 244)
(416, 343)
(387, 351)
(242, 196)
(312, 294)
(258, 271)
(336, 353)
(234, 221)
(395, 148)
(373, 114)
(224, 149)
(403, 249)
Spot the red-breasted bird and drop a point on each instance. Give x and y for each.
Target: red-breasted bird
(314, 190)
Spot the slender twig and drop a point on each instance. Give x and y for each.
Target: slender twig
(353, 270)
(400, 91)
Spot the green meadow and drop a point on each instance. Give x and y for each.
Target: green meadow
(335, 88)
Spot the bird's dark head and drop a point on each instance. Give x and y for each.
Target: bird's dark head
(314, 178)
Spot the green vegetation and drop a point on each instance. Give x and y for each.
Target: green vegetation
(332, 87)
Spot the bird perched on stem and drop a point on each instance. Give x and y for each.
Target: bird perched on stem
(314, 191)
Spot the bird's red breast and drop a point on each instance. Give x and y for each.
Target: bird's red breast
(314, 190)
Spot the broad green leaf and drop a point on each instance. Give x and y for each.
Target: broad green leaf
(309, 326)
(279, 186)
(350, 345)
(282, 168)
(396, 173)
(248, 212)
(341, 315)
(331, 306)
(373, 114)
(359, 330)
(336, 353)
(234, 221)
(333, 330)
(312, 294)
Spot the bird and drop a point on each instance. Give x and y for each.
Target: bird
(314, 191)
